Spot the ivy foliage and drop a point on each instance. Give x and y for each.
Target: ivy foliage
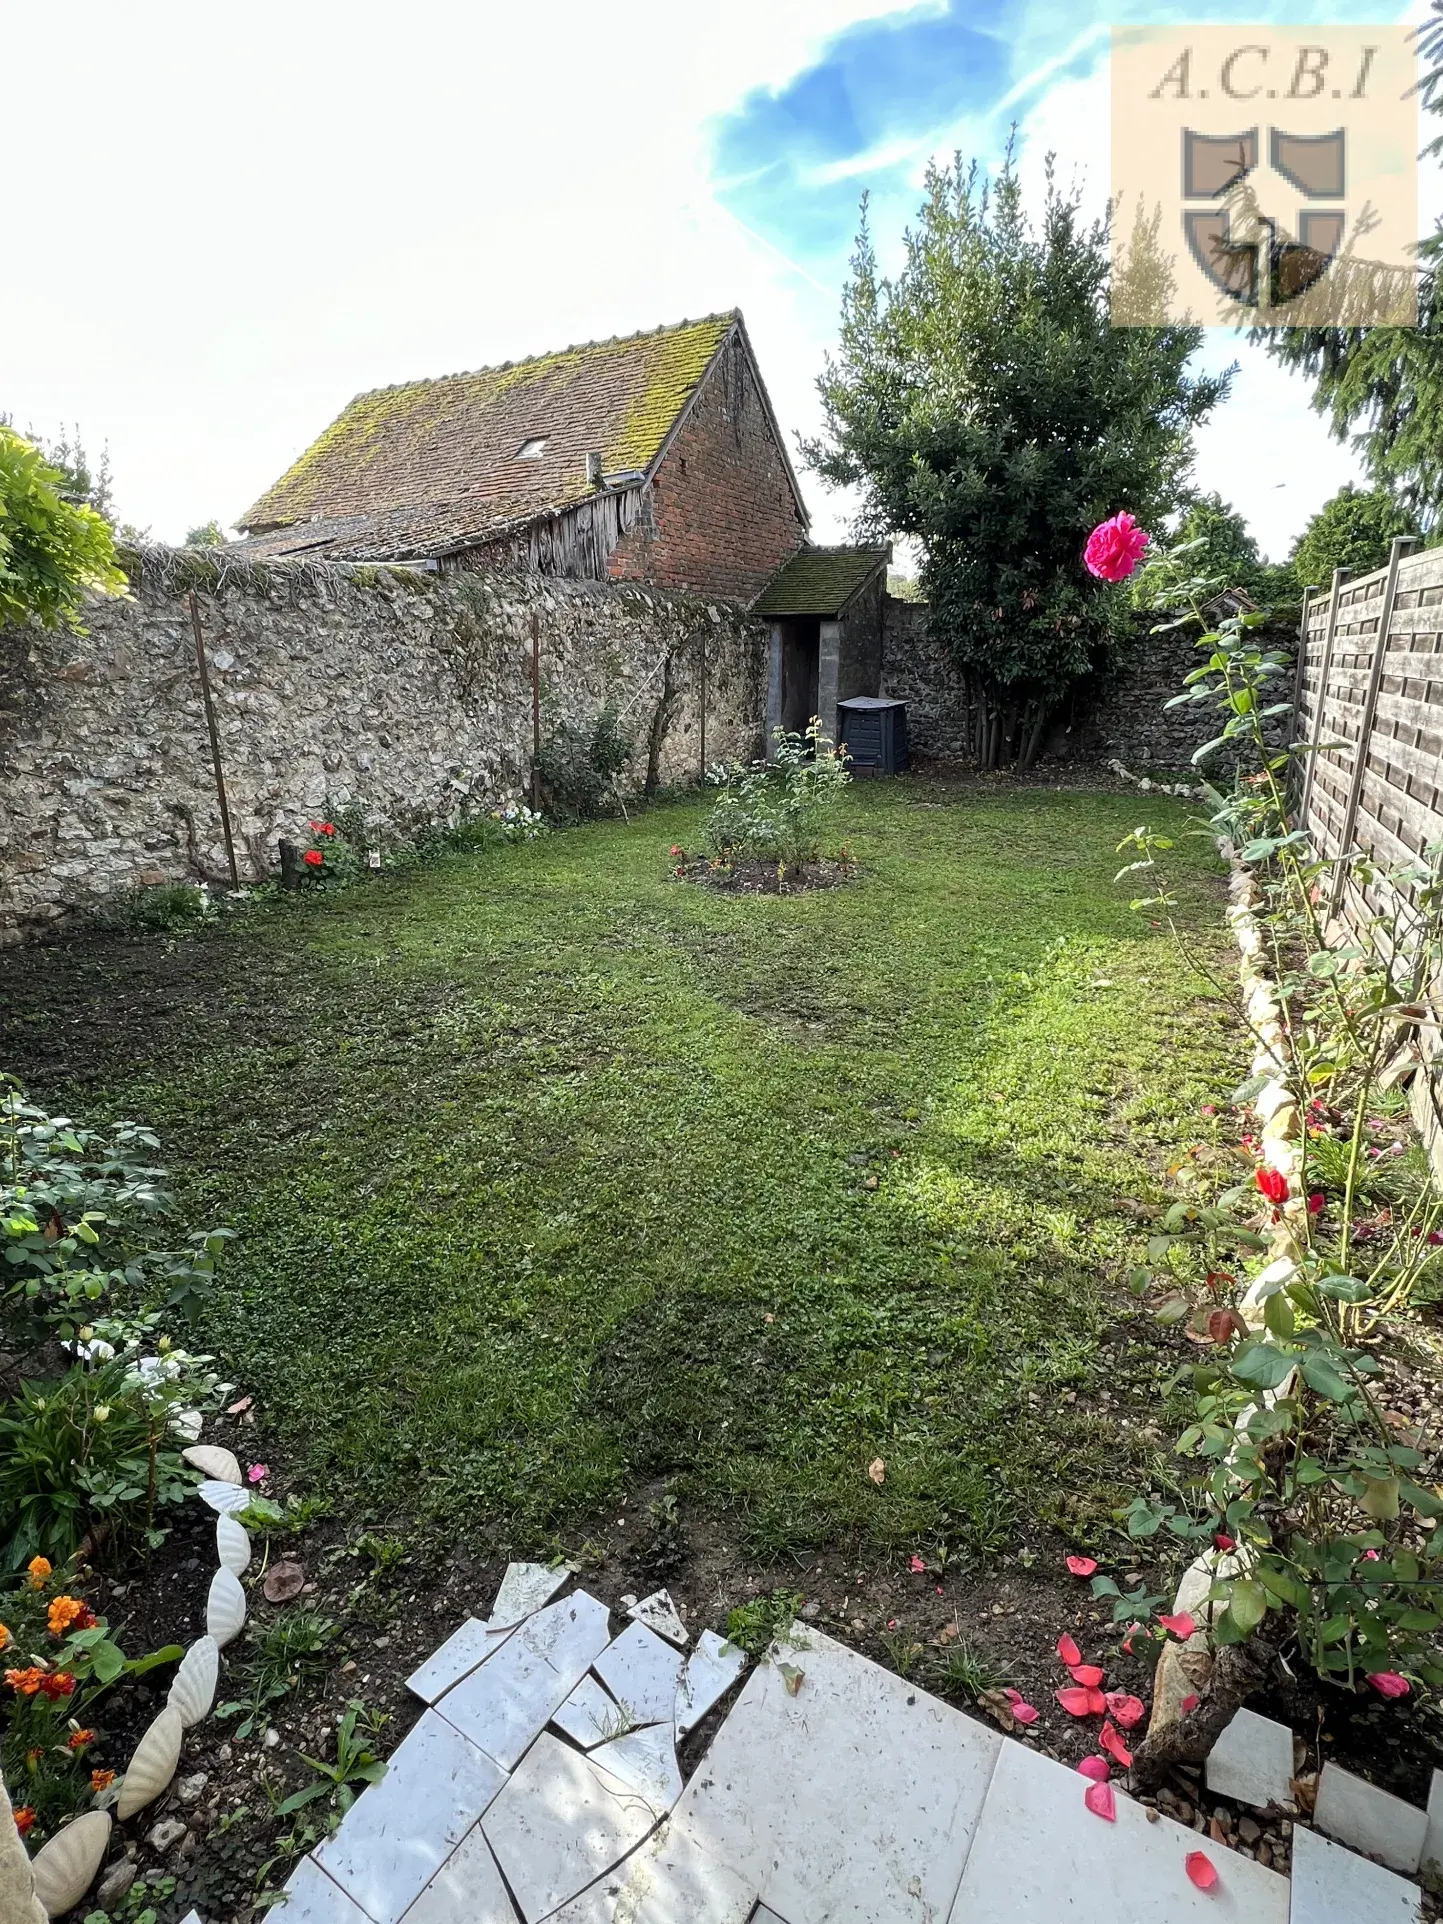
(984, 403)
(53, 550)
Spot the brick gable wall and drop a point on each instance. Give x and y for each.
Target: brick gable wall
(722, 516)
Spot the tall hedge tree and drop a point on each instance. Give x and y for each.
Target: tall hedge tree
(1354, 530)
(54, 550)
(984, 403)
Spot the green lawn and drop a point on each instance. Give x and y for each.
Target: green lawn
(553, 1175)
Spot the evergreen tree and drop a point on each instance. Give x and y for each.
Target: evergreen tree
(1354, 530)
(984, 403)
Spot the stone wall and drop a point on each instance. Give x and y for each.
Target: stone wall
(1127, 717)
(406, 694)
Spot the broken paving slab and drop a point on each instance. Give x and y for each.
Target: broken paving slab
(1039, 1854)
(401, 1830)
(660, 1614)
(646, 1761)
(777, 1797)
(560, 1824)
(505, 1704)
(464, 1651)
(524, 1589)
(1333, 1886)
(310, 1897)
(642, 1673)
(668, 1880)
(468, 1889)
(1253, 1761)
(590, 1715)
(1368, 1819)
(711, 1670)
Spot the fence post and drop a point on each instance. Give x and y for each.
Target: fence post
(536, 713)
(214, 740)
(1340, 575)
(1402, 544)
(703, 706)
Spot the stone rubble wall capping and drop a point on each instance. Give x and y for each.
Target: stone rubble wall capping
(402, 693)
(58, 1867)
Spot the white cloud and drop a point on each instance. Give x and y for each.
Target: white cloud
(233, 221)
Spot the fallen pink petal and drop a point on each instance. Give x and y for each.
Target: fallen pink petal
(1389, 1684)
(1189, 1703)
(1112, 1743)
(1181, 1625)
(1124, 1709)
(258, 1472)
(1201, 1869)
(917, 1566)
(1082, 1566)
(1068, 1650)
(1223, 1541)
(1087, 1673)
(1100, 1800)
(1097, 1768)
(1077, 1703)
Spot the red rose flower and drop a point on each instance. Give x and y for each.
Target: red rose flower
(1273, 1184)
(313, 858)
(1114, 548)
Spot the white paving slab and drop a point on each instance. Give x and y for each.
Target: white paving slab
(590, 1715)
(851, 1801)
(642, 1673)
(646, 1760)
(711, 1670)
(462, 1652)
(1334, 1886)
(398, 1833)
(1253, 1761)
(1433, 1836)
(1369, 1819)
(311, 1898)
(659, 1613)
(560, 1824)
(510, 1699)
(763, 1916)
(468, 1889)
(524, 1588)
(1040, 1855)
(667, 1881)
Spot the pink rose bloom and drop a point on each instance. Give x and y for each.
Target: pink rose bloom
(1115, 547)
(1388, 1683)
(258, 1472)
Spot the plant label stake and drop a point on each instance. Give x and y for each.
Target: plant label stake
(214, 739)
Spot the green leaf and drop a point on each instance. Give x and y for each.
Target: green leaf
(1248, 1604)
(1320, 1375)
(1264, 1365)
(1380, 1497)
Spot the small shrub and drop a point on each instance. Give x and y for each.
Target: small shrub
(578, 766)
(778, 812)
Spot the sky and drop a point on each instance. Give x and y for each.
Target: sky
(228, 224)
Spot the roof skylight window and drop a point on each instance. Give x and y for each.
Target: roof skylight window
(532, 449)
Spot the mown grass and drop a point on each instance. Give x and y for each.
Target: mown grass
(552, 1174)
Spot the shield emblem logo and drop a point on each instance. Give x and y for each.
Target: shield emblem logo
(1252, 256)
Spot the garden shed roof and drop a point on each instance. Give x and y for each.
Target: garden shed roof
(820, 581)
(468, 453)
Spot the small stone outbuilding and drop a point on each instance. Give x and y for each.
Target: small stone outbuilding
(824, 609)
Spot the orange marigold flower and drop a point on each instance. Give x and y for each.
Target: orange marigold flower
(78, 1739)
(101, 1779)
(39, 1568)
(62, 1613)
(26, 1681)
(24, 1818)
(4, 1635)
(57, 1683)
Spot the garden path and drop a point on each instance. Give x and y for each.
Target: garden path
(541, 1782)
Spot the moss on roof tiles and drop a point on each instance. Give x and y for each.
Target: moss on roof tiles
(818, 581)
(457, 436)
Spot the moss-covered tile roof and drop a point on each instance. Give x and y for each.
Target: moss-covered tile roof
(819, 581)
(456, 440)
